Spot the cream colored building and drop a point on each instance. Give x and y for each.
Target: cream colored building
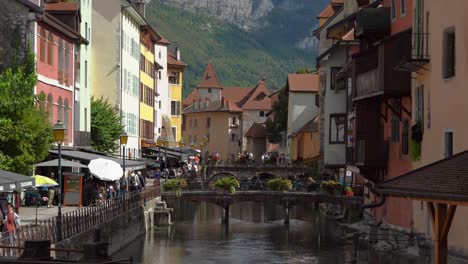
(439, 101)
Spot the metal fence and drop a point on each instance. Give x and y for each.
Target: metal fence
(74, 222)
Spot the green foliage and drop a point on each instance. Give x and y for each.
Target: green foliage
(280, 185)
(105, 126)
(241, 58)
(280, 118)
(229, 184)
(331, 187)
(25, 134)
(415, 149)
(312, 171)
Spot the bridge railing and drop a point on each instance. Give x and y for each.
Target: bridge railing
(74, 222)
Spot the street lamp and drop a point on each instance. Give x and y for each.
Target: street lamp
(159, 143)
(123, 142)
(192, 145)
(59, 136)
(166, 144)
(181, 145)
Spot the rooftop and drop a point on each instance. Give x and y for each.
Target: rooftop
(303, 82)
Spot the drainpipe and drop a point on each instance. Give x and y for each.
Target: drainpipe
(375, 204)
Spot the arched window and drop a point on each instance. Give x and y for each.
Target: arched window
(50, 105)
(66, 118)
(67, 63)
(42, 100)
(60, 109)
(60, 61)
(42, 45)
(50, 49)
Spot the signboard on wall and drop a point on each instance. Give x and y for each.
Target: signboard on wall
(72, 189)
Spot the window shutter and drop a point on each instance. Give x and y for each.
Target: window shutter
(451, 54)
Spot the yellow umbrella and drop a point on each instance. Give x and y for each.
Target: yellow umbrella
(43, 181)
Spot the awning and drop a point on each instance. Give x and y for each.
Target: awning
(64, 163)
(10, 181)
(155, 153)
(86, 157)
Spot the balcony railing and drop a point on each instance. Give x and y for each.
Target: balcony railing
(367, 83)
(420, 47)
(373, 22)
(82, 138)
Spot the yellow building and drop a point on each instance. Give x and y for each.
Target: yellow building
(176, 68)
(148, 38)
(306, 142)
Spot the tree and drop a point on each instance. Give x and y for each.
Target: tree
(280, 118)
(105, 126)
(25, 134)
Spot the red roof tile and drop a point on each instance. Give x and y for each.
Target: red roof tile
(193, 96)
(172, 61)
(216, 106)
(256, 131)
(253, 100)
(235, 94)
(303, 82)
(446, 179)
(327, 12)
(62, 6)
(209, 78)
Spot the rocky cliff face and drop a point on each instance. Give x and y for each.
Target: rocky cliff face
(246, 14)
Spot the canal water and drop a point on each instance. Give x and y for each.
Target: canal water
(255, 234)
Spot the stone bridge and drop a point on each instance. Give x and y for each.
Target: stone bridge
(243, 173)
(285, 199)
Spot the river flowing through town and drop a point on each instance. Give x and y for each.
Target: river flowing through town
(255, 234)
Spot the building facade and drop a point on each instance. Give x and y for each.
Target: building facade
(176, 69)
(161, 103)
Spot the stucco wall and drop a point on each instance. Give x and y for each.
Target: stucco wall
(301, 109)
(162, 88)
(446, 99)
(248, 118)
(84, 122)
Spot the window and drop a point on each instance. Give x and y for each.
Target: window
(60, 61)
(77, 65)
(159, 104)
(189, 139)
(195, 139)
(209, 90)
(175, 108)
(50, 49)
(337, 129)
(50, 105)
(159, 75)
(195, 123)
(42, 45)
(317, 100)
(86, 74)
(262, 113)
(190, 123)
(174, 132)
(208, 122)
(234, 120)
(336, 84)
(393, 9)
(60, 109)
(66, 118)
(67, 64)
(233, 137)
(260, 97)
(405, 137)
(86, 119)
(402, 7)
(86, 30)
(449, 53)
(448, 139)
(395, 122)
(420, 105)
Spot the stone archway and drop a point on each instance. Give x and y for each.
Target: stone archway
(220, 175)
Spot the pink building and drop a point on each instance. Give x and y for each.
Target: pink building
(55, 54)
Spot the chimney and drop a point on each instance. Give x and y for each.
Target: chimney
(139, 5)
(177, 51)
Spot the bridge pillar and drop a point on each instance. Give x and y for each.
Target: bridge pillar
(286, 207)
(225, 217)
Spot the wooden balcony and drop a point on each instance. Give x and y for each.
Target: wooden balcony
(375, 70)
(373, 23)
(371, 152)
(419, 54)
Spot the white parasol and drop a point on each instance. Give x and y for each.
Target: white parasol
(106, 170)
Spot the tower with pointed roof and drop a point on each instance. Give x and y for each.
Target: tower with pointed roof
(209, 87)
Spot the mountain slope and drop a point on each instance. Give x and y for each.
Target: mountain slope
(241, 57)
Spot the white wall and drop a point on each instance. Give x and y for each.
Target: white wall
(162, 87)
(301, 109)
(85, 67)
(130, 94)
(335, 103)
(212, 94)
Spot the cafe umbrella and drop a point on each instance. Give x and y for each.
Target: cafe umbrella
(106, 170)
(43, 181)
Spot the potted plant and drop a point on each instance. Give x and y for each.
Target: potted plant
(228, 184)
(175, 185)
(349, 191)
(280, 185)
(331, 187)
